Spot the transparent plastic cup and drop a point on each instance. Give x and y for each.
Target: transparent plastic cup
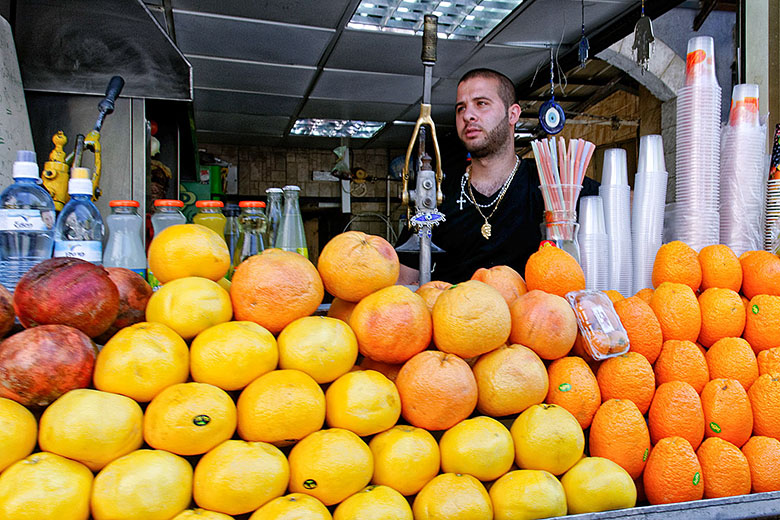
(700, 61)
(651, 154)
(592, 216)
(560, 197)
(614, 171)
(744, 105)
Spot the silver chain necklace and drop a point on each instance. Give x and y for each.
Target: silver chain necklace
(465, 179)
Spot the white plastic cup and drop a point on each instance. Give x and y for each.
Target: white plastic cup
(615, 171)
(744, 105)
(592, 216)
(651, 154)
(700, 61)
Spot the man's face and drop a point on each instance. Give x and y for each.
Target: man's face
(484, 123)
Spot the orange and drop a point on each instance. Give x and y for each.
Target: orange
(451, 496)
(672, 473)
(509, 380)
(553, 270)
(392, 324)
(141, 360)
(280, 407)
(353, 265)
(364, 402)
(330, 465)
(645, 294)
(760, 274)
(764, 398)
(504, 279)
(768, 361)
(724, 469)
(92, 427)
(722, 315)
(762, 326)
(189, 418)
(293, 507)
(431, 291)
(379, 502)
(763, 456)
(619, 433)
(642, 327)
(148, 484)
(720, 267)
(405, 458)
(682, 361)
(727, 411)
(628, 376)
(481, 447)
(201, 514)
(437, 390)
(574, 387)
(544, 323)
(469, 319)
(18, 432)
(527, 493)
(189, 306)
(275, 288)
(325, 348)
(547, 437)
(237, 477)
(614, 296)
(676, 410)
(732, 358)
(677, 310)
(597, 484)
(677, 262)
(341, 309)
(188, 250)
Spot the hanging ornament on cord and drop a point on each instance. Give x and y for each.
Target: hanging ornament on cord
(643, 40)
(584, 45)
(551, 115)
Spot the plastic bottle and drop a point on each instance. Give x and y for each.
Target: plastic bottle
(78, 232)
(167, 213)
(210, 215)
(26, 221)
(231, 226)
(291, 236)
(252, 228)
(124, 247)
(274, 215)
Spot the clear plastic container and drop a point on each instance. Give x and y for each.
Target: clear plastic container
(291, 236)
(26, 221)
(210, 215)
(274, 215)
(125, 247)
(78, 232)
(167, 213)
(252, 226)
(604, 336)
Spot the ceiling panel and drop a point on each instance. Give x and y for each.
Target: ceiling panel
(237, 139)
(301, 12)
(368, 86)
(442, 114)
(340, 109)
(252, 77)
(268, 42)
(241, 123)
(515, 62)
(245, 102)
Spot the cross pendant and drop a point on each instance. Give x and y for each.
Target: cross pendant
(461, 201)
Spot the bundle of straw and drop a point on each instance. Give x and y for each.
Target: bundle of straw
(560, 167)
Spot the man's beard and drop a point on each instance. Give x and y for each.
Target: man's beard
(495, 140)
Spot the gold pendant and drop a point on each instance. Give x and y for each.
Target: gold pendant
(486, 230)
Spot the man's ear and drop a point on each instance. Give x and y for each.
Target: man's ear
(514, 112)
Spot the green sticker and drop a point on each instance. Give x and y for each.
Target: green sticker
(309, 483)
(754, 308)
(696, 478)
(644, 456)
(714, 427)
(201, 420)
(564, 387)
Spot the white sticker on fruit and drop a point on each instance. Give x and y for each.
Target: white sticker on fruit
(89, 250)
(22, 220)
(603, 319)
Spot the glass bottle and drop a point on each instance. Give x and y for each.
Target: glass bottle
(210, 215)
(26, 221)
(167, 213)
(291, 236)
(78, 232)
(252, 228)
(274, 215)
(125, 247)
(231, 226)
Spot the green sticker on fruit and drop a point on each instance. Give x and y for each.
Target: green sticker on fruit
(201, 420)
(564, 387)
(646, 453)
(714, 427)
(696, 478)
(309, 483)
(754, 308)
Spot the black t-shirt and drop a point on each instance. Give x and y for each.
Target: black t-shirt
(516, 231)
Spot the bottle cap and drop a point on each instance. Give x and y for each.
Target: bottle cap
(291, 188)
(169, 203)
(25, 166)
(209, 204)
(123, 204)
(80, 182)
(273, 190)
(251, 204)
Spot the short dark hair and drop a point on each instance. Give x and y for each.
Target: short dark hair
(506, 89)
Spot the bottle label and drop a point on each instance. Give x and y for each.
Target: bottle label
(89, 250)
(140, 272)
(22, 220)
(302, 251)
(153, 281)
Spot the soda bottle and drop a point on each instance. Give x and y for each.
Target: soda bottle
(78, 232)
(167, 213)
(231, 226)
(252, 227)
(26, 221)
(274, 215)
(124, 247)
(291, 236)
(210, 215)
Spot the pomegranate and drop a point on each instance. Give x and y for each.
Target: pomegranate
(7, 315)
(67, 291)
(134, 293)
(40, 364)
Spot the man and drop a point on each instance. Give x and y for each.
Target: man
(494, 210)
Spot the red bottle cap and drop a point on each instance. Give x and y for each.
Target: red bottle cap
(251, 204)
(169, 203)
(209, 204)
(123, 203)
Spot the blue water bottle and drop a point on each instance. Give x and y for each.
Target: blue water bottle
(78, 232)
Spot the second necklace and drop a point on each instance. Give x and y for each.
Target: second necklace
(486, 228)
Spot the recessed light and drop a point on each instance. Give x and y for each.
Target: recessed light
(336, 128)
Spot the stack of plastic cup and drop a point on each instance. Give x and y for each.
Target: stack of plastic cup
(594, 243)
(698, 148)
(616, 196)
(647, 216)
(772, 215)
(742, 173)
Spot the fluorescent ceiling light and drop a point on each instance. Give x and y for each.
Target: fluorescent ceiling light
(336, 128)
(458, 19)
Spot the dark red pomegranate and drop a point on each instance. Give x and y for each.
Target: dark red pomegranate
(134, 293)
(67, 291)
(40, 364)
(7, 315)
